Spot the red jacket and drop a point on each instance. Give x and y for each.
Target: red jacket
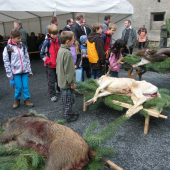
(51, 56)
(108, 40)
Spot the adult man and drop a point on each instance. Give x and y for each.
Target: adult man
(129, 36)
(87, 30)
(54, 20)
(107, 20)
(163, 36)
(70, 22)
(77, 28)
(18, 26)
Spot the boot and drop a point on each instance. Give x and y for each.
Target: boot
(16, 103)
(28, 103)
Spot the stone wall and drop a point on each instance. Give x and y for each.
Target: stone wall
(143, 15)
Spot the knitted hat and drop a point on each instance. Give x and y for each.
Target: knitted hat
(83, 39)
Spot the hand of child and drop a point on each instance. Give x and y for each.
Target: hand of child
(75, 67)
(30, 75)
(147, 50)
(11, 82)
(86, 56)
(73, 86)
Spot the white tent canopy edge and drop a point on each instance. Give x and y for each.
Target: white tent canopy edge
(35, 17)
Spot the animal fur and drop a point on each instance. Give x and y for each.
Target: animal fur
(64, 148)
(152, 56)
(140, 91)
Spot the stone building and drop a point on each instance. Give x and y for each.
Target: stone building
(152, 14)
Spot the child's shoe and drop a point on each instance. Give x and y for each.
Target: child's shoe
(28, 103)
(54, 99)
(16, 103)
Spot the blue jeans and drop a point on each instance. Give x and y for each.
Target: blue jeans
(114, 74)
(96, 73)
(21, 82)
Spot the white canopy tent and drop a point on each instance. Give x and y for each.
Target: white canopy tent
(35, 15)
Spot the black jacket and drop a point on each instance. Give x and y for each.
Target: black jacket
(99, 44)
(88, 30)
(78, 31)
(66, 28)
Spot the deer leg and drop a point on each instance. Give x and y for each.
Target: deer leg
(101, 87)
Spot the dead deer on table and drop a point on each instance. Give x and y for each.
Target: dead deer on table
(140, 91)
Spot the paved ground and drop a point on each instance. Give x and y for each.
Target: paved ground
(134, 150)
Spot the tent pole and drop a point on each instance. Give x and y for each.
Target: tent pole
(54, 13)
(73, 15)
(40, 24)
(4, 29)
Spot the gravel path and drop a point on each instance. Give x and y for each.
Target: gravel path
(134, 150)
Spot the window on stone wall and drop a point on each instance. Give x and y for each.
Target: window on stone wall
(157, 19)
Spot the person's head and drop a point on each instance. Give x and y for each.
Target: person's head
(53, 31)
(15, 36)
(67, 38)
(83, 39)
(83, 23)
(17, 24)
(127, 23)
(70, 21)
(143, 26)
(32, 34)
(164, 22)
(97, 27)
(54, 20)
(60, 32)
(118, 46)
(79, 17)
(107, 18)
(111, 28)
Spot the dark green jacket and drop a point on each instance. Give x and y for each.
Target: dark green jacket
(65, 68)
(132, 37)
(164, 32)
(24, 35)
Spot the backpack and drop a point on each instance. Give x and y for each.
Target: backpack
(48, 46)
(9, 52)
(107, 53)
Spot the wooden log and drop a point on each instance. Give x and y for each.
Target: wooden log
(113, 165)
(146, 127)
(151, 112)
(84, 104)
(33, 52)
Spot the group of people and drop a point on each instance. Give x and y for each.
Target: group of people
(77, 46)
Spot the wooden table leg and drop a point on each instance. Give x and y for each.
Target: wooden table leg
(146, 127)
(84, 104)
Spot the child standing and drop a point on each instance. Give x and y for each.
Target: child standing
(96, 51)
(85, 61)
(17, 66)
(75, 51)
(115, 55)
(107, 35)
(66, 75)
(49, 53)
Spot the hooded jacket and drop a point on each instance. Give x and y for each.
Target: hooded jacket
(99, 45)
(20, 62)
(51, 55)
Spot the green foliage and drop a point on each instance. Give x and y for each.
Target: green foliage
(96, 141)
(13, 158)
(154, 47)
(37, 114)
(160, 67)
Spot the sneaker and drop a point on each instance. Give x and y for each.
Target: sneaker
(54, 99)
(16, 103)
(28, 103)
(72, 118)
